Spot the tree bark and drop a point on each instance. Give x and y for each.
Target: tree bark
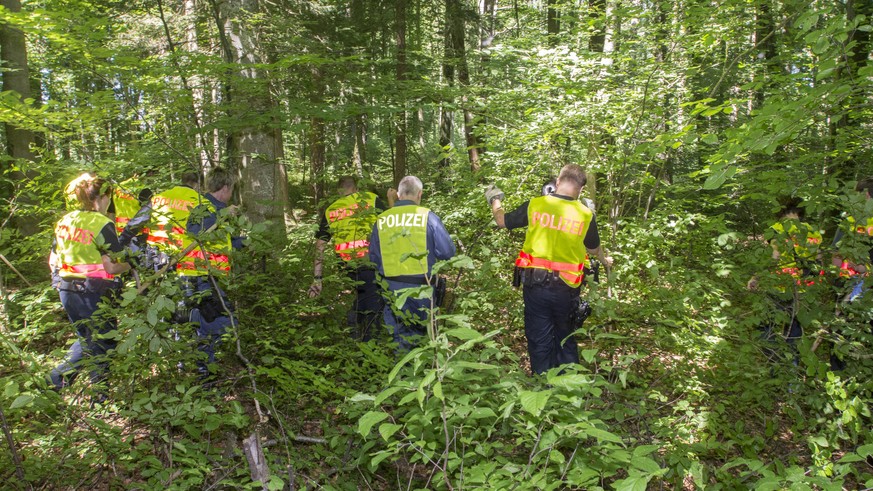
(553, 22)
(16, 77)
(254, 148)
(400, 164)
(457, 26)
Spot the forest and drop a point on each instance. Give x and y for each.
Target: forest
(697, 122)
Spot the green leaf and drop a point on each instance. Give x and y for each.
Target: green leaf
(602, 435)
(152, 316)
(473, 365)
(276, 483)
(820, 441)
(21, 401)
(388, 429)
(866, 450)
(365, 424)
(438, 391)
(568, 381)
(632, 483)
(463, 333)
(719, 175)
(534, 402)
(482, 412)
(645, 450)
(645, 464)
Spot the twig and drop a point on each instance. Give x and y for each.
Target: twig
(19, 470)
(13, 269)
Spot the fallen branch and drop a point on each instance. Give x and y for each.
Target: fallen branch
(13, 269)
(258, 467)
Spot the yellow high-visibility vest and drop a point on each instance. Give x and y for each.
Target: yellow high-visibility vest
(555, 238)
(403, 240)
(351, 220)
(77, 247)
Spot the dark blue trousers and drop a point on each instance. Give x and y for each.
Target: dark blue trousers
(366, 313)
(547, 309)
(209, 331)
(81, 306)
(409, 324)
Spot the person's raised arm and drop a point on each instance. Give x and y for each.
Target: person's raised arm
(495, 197)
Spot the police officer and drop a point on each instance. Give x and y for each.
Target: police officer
(559, 230)
(795, 250)
(213, 313)
(170, 212)
(347, 222)
(854, 239)
(406, 241)
(84, 240)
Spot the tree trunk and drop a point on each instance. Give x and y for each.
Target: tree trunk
(400, 163)
(456, 24)
(16, 77)
(255, 148)
(446, 127)
(553, 22)
(597, 16)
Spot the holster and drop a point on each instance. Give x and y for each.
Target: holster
(579, 313)
(516, 277)
(439, 291)
(537, 276)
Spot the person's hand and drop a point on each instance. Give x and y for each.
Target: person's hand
(233, 210)
(607, 260)
(315, 289)
(392, 195)
(493, 192)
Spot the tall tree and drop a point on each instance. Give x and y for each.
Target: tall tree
(255, 146)
(400, 163)
(16, 77)
(457, 27)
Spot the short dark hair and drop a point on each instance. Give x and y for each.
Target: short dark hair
(218, 178)
(191, 179)
(791, 204)
(347, 182)
(865, 184)
(573, 172)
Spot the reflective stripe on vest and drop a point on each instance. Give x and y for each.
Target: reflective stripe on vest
(403, 240)
(359, 249)
(126, 206)
(196, 263)
(351, 220)
(847, 271)
(796, 243)
(78, 239)
(571, 273)
(555, 238)
(171, 210)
